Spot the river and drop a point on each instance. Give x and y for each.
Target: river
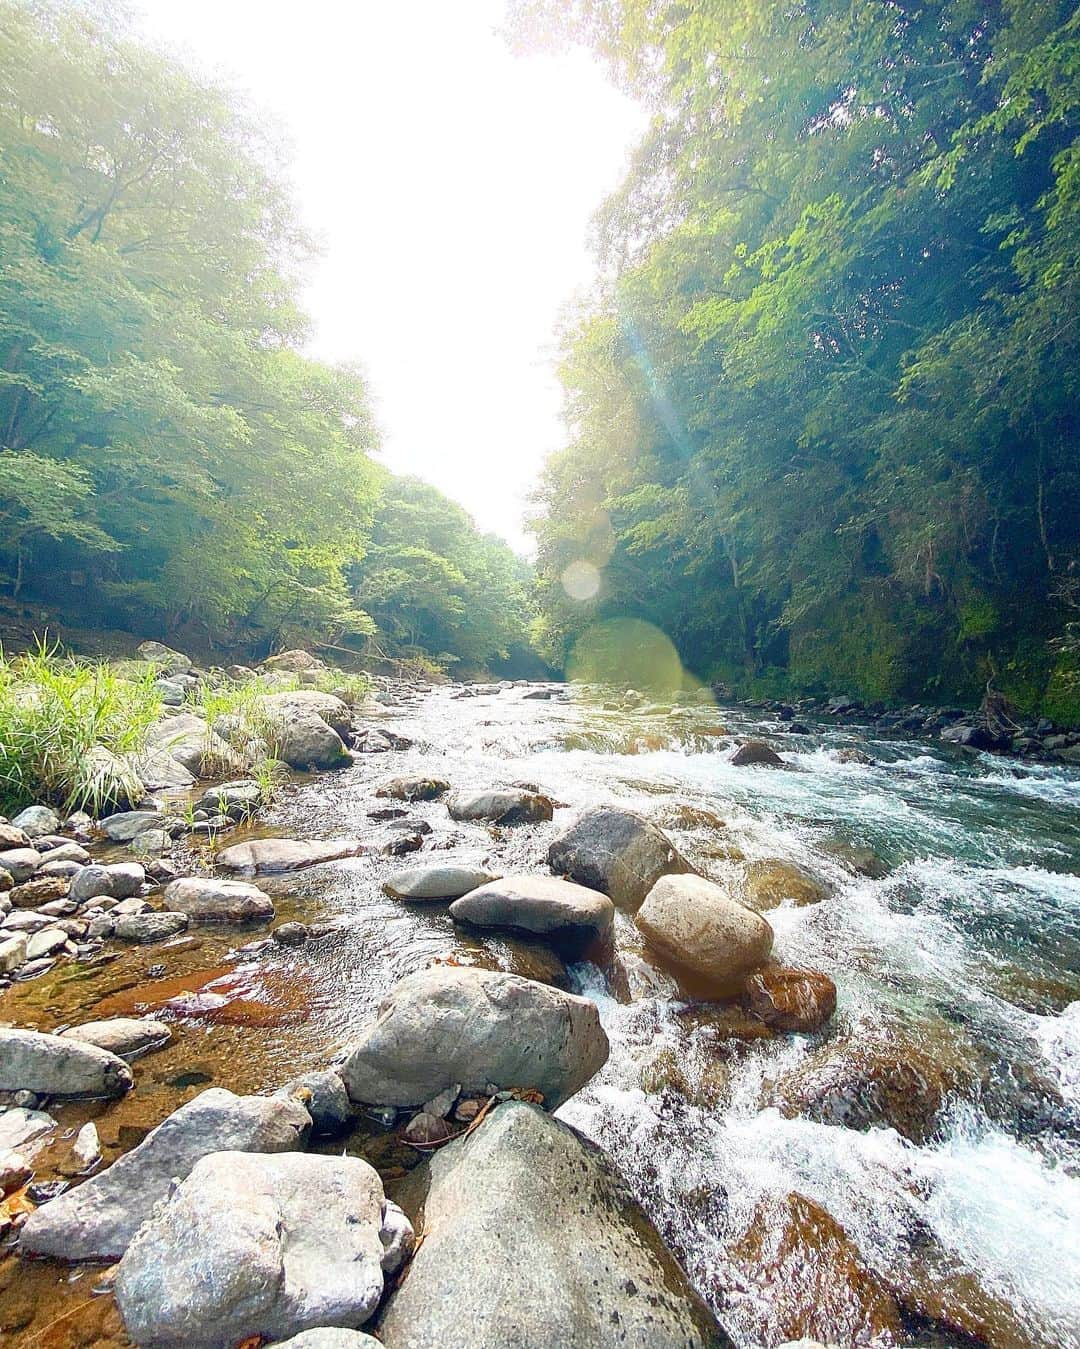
(958, 969)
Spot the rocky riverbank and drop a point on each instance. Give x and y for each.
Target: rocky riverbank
(283, 1194)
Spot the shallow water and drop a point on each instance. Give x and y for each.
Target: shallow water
(963, 957)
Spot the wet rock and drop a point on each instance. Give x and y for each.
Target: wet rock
(811, 1280)
(450, 1024)
(99, 1219)
(790, 999)
(121, 880)
(508, 806)
(49, 1065)
(15, 1170)
(897, 1080)
(25, 1128)
(124, 827)
(127, 1037)
(269, 855)
(143, 928)
(209, 898)
(20, 863)
(756, 753)
(616, 851)
(538, 1209)
(506, 954)
(323, 1096)
(418, 787)
(435, 882)
(252, 1245)
(770, 883)
(543, 905)
(12, 837)
(164, 658)
(237, 800)
(863, 861)
(851, 755)
(35, 821)
(698, 928)
(425, 1128)
(32, 894)
(291, 934)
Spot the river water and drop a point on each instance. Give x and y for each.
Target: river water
(909, 1175)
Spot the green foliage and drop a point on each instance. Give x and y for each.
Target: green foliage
(823, 414)
(54, 714)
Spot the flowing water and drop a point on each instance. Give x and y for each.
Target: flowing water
(909, 1175)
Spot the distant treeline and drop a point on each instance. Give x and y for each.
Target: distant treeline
(168, 458)
(823, 409)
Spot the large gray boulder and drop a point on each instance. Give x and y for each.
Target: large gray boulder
(164, 658)
(285, 707)
(540, 904)
(458, 1025)
(121, 880)
(98, 1220)
(211, 898)
(190, 741)
(616, 851)
(698, 927)
(36, 821)
(49, 1065)
(254, 1245)
(531, 1240)
(435, 882)
(268, 855)
(158, 771)
(122, 828)
(126, 1036)
(511, 805)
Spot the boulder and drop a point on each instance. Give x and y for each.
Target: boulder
(43, 890)
(256, 1246)
(543, 905)
(163, 658)
(756, 753)
(50, 1065)
(790, 999)
(121, 880)
(267, 855)
(304, 740)
(207, 897)
(770, 883)
(698, 927)
(126, 1037)
(237, 799)
(435, 882)
(323, 1096)
(190, 741)
(532, 1240)
(616, 851)
(143, 928)
(509, 806)
(64, 852)
(158, 771)
(20, 863)
(418, 787)
(301, 702)
(293, 661)
(12, 837)
(35, 821)
(451, 1024)
(99, 1219)
(124, 827)
(859, 858)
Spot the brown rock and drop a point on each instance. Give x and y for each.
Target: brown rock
(32, 894)
(811, 1279)
(425, 1128)
(13, 837)
(790, 999)
(770, 883)
(756, 753)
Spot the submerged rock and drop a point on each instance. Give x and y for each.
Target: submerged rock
(450, 1024)
(543, 905)
(756, 753)
(770, 883)
(532, 1240)
(508, 806)
(269, 855)
(253, 1245)
(154, 926)
(99, 1219)
(50, 1065)
(209, 898)
(699, 928)
(616, 851)
(127, 1037)
(419, 787)
(435, 882)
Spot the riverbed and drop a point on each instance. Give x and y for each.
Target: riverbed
(802, 1195)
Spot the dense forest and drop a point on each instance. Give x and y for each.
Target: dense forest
(823, 404)
(170, 460)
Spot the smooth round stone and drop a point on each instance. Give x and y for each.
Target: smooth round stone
(435, 882)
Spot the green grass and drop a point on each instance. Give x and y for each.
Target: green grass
(54, 713)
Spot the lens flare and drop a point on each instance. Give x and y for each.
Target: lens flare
(629, 652)
(581, 580)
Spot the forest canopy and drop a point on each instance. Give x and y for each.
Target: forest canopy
(822, 408)
(169, 458)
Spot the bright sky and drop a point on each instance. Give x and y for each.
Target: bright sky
(451, 185)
